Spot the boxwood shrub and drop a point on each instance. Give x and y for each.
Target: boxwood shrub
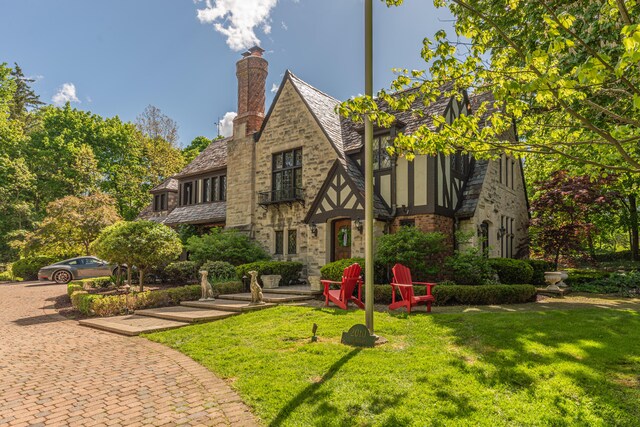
(219, 270)
(511, 270)
(289, 270)
(334, 270)
(27, 268)
(581, 277)
(113, 305)
(181, 272)
(73, 287)
(539, 267)
(484, 294)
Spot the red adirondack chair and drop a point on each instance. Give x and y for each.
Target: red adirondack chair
(342, 296)
(402, 281)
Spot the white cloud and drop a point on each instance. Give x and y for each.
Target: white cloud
(274, 88)
(237, 19)
(226, 124)
(66, 93)
(284, 26)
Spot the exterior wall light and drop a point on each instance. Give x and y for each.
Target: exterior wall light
(314, 229)
(501, 232)
(358, 224)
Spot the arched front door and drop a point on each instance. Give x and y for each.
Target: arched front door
(341, 239)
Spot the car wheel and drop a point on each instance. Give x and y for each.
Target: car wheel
(62, 276)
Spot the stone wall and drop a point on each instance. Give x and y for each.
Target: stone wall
(496, 200)
(241, 193)
(291, 125)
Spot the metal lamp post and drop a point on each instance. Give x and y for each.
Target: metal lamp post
(368, 166)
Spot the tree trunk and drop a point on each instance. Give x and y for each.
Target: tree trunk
(129, 276)
(141, 279)
(633, 224)
(555, 262)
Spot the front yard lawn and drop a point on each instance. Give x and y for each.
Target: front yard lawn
(577, 367)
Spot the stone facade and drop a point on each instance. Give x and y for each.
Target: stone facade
(241, 191)
(291, 125)
(497, 201)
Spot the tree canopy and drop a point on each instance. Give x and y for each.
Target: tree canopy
(566, 72)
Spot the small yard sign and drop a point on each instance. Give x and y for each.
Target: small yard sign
(358, 336)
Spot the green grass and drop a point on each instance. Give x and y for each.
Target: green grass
(578, 367)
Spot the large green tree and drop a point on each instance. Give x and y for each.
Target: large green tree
(71, 224)
(565, 71)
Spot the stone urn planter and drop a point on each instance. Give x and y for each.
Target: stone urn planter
(270, 281)
(553, 278)
(563, 276)
(314, 283)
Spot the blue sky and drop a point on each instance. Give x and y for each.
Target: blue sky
(121, 55)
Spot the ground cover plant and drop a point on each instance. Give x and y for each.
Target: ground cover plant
(576, 367)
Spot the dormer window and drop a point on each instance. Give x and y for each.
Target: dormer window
(160, 202)
(204, 190)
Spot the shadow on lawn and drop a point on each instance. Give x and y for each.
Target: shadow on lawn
(598, 351)
(312, 392)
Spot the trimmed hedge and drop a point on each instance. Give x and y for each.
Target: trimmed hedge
(484, 294)
(511, 270)
(27, 268)
(334, 270)
(73, 287)
(447, 294)
(539, 267)
(113, 305)
(219, 270)
(181, 272)
(289, 270)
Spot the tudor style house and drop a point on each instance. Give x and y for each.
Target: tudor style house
(293, 179)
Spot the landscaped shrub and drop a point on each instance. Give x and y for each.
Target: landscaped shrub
(512, 270)
(225, 245)
(539, 267)
(27, 268)
(625, 284)
(229, 287)
(469, 268)
(6, 276)
(182, 272)
(219, 270)
(419, 251)
(289, 270)
(83, 301)
(613, 256)
(483, 295)
(580, 277)
(73, 287)
(334, 270)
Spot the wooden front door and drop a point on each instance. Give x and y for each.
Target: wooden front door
(341, 239)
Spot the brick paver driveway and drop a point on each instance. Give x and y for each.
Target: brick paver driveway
(55, 372)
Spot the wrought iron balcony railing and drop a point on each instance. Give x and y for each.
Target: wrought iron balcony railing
(287, 195)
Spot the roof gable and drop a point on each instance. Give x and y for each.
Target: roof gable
(211, 158)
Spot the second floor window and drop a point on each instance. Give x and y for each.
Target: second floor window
(211, 189)
(160, 202)
(381, 157)
(287, 175)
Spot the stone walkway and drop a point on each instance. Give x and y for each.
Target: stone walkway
(54, 372)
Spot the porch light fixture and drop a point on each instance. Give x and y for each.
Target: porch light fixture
(314, 229)
(501, 232)
(358, 224)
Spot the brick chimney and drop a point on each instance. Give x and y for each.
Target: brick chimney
(251, 71)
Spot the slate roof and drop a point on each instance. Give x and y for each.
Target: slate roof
(150, 215)
(169, 184)
(323, 107)
(472, 190)
(410, 121)
(211, 158)
(195, 214)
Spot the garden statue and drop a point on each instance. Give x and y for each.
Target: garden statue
(256, 290)
(205, 287)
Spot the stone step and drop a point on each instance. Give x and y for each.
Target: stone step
(267, 296)
(186, 314)
(293, 290)
(553, 293)
(227, 305)
(131, 325)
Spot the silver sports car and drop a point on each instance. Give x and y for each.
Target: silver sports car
(77, 268)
